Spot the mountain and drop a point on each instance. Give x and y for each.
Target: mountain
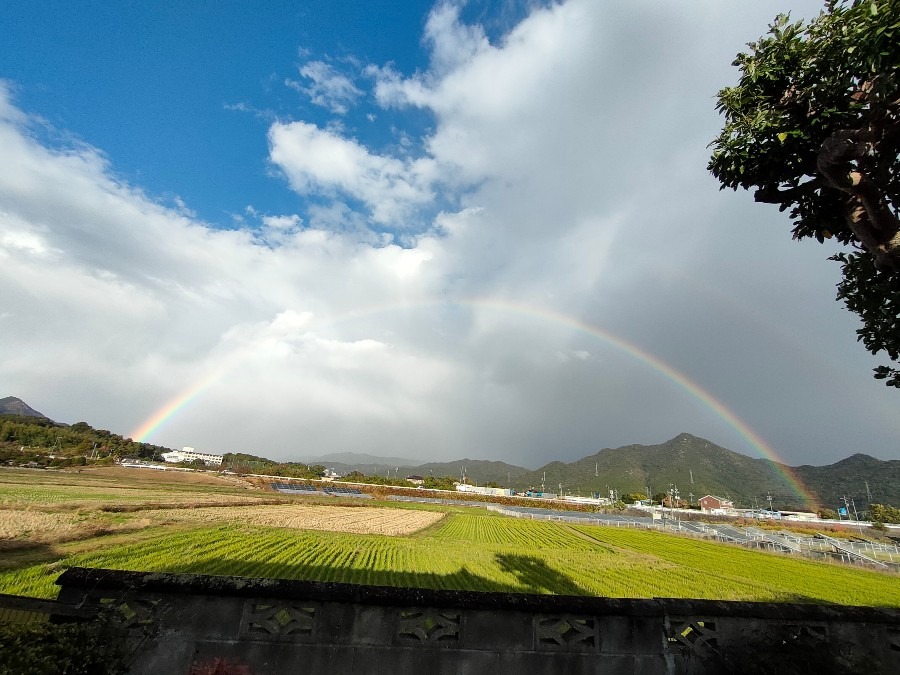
(699, 467)
(357, 458)
(16, 406)
(695, 465)
(477, 471)
(855, 478)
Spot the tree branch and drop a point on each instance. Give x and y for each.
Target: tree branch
(869, 216)
(771, 194)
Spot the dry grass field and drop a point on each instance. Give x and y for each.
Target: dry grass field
(45, 508)
(356, 520)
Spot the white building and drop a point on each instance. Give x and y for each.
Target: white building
(189, 455)
(495, 492)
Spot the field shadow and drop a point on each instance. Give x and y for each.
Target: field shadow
(536, 575)
(532, 575)
(15, 555)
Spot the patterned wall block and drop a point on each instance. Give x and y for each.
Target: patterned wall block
(692, 635)
(276, 620)
(574, 633)
(131, 613)
(429, 626)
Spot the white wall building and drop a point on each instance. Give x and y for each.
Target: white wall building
(496, 492)
(189, 455)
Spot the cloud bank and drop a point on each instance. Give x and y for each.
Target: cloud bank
(440, 301)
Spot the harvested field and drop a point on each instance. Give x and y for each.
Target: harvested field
(355, 520)
(27, 523)
(24, 529)
(156, 477)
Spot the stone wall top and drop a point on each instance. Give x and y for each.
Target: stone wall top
(92, 579)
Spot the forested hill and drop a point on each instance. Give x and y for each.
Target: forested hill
(34, 439)
(695, 465)
(699, 467)
(849, 478)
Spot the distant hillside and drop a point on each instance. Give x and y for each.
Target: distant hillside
(695, 465)
(848, 478)
(477, 471)
(357, 458)
(38, 440)
(16, 406)
(699, 467)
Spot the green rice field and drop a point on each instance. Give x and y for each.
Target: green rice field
(468, 548)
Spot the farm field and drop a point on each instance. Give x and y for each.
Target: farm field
(417, 545)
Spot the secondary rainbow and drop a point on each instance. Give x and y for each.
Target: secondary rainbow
(185, 397)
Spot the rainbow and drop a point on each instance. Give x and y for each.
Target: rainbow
(185, 397)
(166, 412)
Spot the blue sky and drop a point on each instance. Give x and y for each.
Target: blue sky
(178, 96)
(385, 231)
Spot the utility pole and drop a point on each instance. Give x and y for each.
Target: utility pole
(856, 514)
(769, 499)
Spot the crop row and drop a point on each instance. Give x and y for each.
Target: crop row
(488, 528)
(780, 576)
(479, 551)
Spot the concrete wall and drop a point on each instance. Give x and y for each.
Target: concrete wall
(200, 625)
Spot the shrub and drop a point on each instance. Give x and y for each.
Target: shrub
(60, 649)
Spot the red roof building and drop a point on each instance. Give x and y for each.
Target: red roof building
(713, 503)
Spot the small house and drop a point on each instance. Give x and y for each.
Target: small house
(711, 503)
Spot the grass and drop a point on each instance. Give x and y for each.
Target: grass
(468, 549)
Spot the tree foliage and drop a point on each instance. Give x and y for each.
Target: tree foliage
(884, 513)
(41, 438)
(813, 125)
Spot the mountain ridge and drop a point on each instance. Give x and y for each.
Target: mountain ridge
(11, 405)
(695, 465)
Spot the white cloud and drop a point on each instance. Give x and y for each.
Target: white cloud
(290, 222)
(315, 160)
(327, 87)
(579, 231)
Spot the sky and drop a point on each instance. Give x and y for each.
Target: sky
(426, 230)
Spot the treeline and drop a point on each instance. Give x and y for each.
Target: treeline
(430, 482)
(34, 439)
(884, 513)
(240, 462)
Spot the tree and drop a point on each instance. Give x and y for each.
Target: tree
(813, 126)
(827, 514)
(884, 513)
